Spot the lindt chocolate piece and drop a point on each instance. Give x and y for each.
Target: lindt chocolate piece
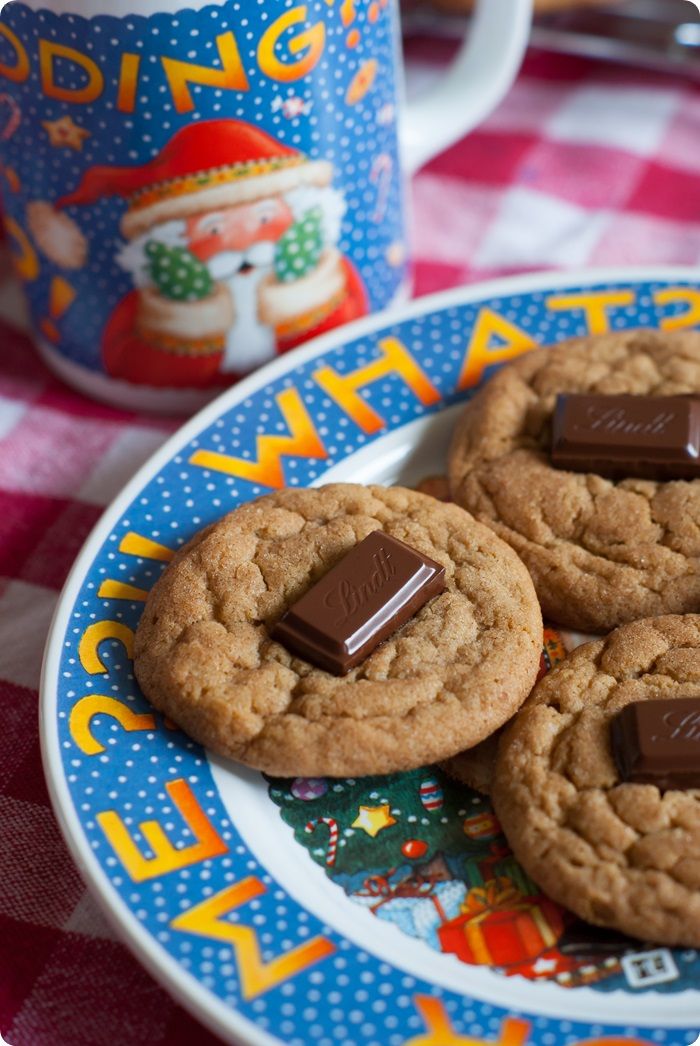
(372, 591)
(650, 437)
(658, 742)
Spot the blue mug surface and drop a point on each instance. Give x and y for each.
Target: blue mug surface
(189, 192)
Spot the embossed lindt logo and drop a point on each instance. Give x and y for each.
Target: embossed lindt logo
(681, 727)
(350, 598)
(616, 419)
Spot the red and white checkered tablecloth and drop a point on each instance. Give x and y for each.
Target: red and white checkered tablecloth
(583, 164)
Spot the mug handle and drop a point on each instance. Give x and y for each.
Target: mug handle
(482, 72)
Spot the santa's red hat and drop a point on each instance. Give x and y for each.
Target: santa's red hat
(204, 166)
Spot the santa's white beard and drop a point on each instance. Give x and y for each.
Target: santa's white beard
(331, 203)
(132, 256)
(249, 342)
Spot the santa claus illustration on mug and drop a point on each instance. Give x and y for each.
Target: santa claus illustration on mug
(231, 244)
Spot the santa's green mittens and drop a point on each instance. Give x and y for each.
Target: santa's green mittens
(298, 249)
(176, 272)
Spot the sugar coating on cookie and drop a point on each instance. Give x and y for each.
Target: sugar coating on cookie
(618, 854)
(448, 678)
(600, 552)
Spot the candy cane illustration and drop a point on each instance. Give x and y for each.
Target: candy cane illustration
(332, 838)
(380, 175)
(13, 119)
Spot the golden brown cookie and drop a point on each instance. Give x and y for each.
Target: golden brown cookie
(475, 767)
(437, 486)
(617, 854)
(446, 679)
(600, 552)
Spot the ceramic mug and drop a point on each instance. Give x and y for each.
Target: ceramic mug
(190, 191)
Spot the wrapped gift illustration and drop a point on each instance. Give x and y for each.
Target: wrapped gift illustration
(499, 926)
(497, 863)
(417, 906)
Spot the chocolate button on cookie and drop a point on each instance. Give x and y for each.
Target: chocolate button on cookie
(601, 549)
(571, 786)
(446, 678)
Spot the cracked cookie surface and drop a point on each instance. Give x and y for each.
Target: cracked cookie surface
(448, 678)
(618, 854)
(599, 552)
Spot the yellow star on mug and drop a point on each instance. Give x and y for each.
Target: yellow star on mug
(372, 819)
(65, 133)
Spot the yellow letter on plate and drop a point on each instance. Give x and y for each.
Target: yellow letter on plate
(94, 635)
(111, 589)
(133, 544)
(594, 304)
(100, 704)
(207, 919)
(166, 858)
(684, 296)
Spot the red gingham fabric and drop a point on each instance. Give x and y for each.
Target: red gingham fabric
(582, 164)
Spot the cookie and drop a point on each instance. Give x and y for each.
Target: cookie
(600, 552)
(449, 677)
(618, 854)
(437, 486)
(475, 767)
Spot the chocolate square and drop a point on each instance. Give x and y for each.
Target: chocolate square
(648, 437)
(658, 742)
(363, 599)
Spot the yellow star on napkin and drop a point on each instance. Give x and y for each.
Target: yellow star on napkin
(372, 819)
(65, 133)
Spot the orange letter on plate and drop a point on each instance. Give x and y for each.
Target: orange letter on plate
(166, 858)
(482, 354)
(514, 1031)
(395, 359)
(208, 919)
(304, 442)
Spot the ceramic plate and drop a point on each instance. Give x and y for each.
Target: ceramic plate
(382, 911)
